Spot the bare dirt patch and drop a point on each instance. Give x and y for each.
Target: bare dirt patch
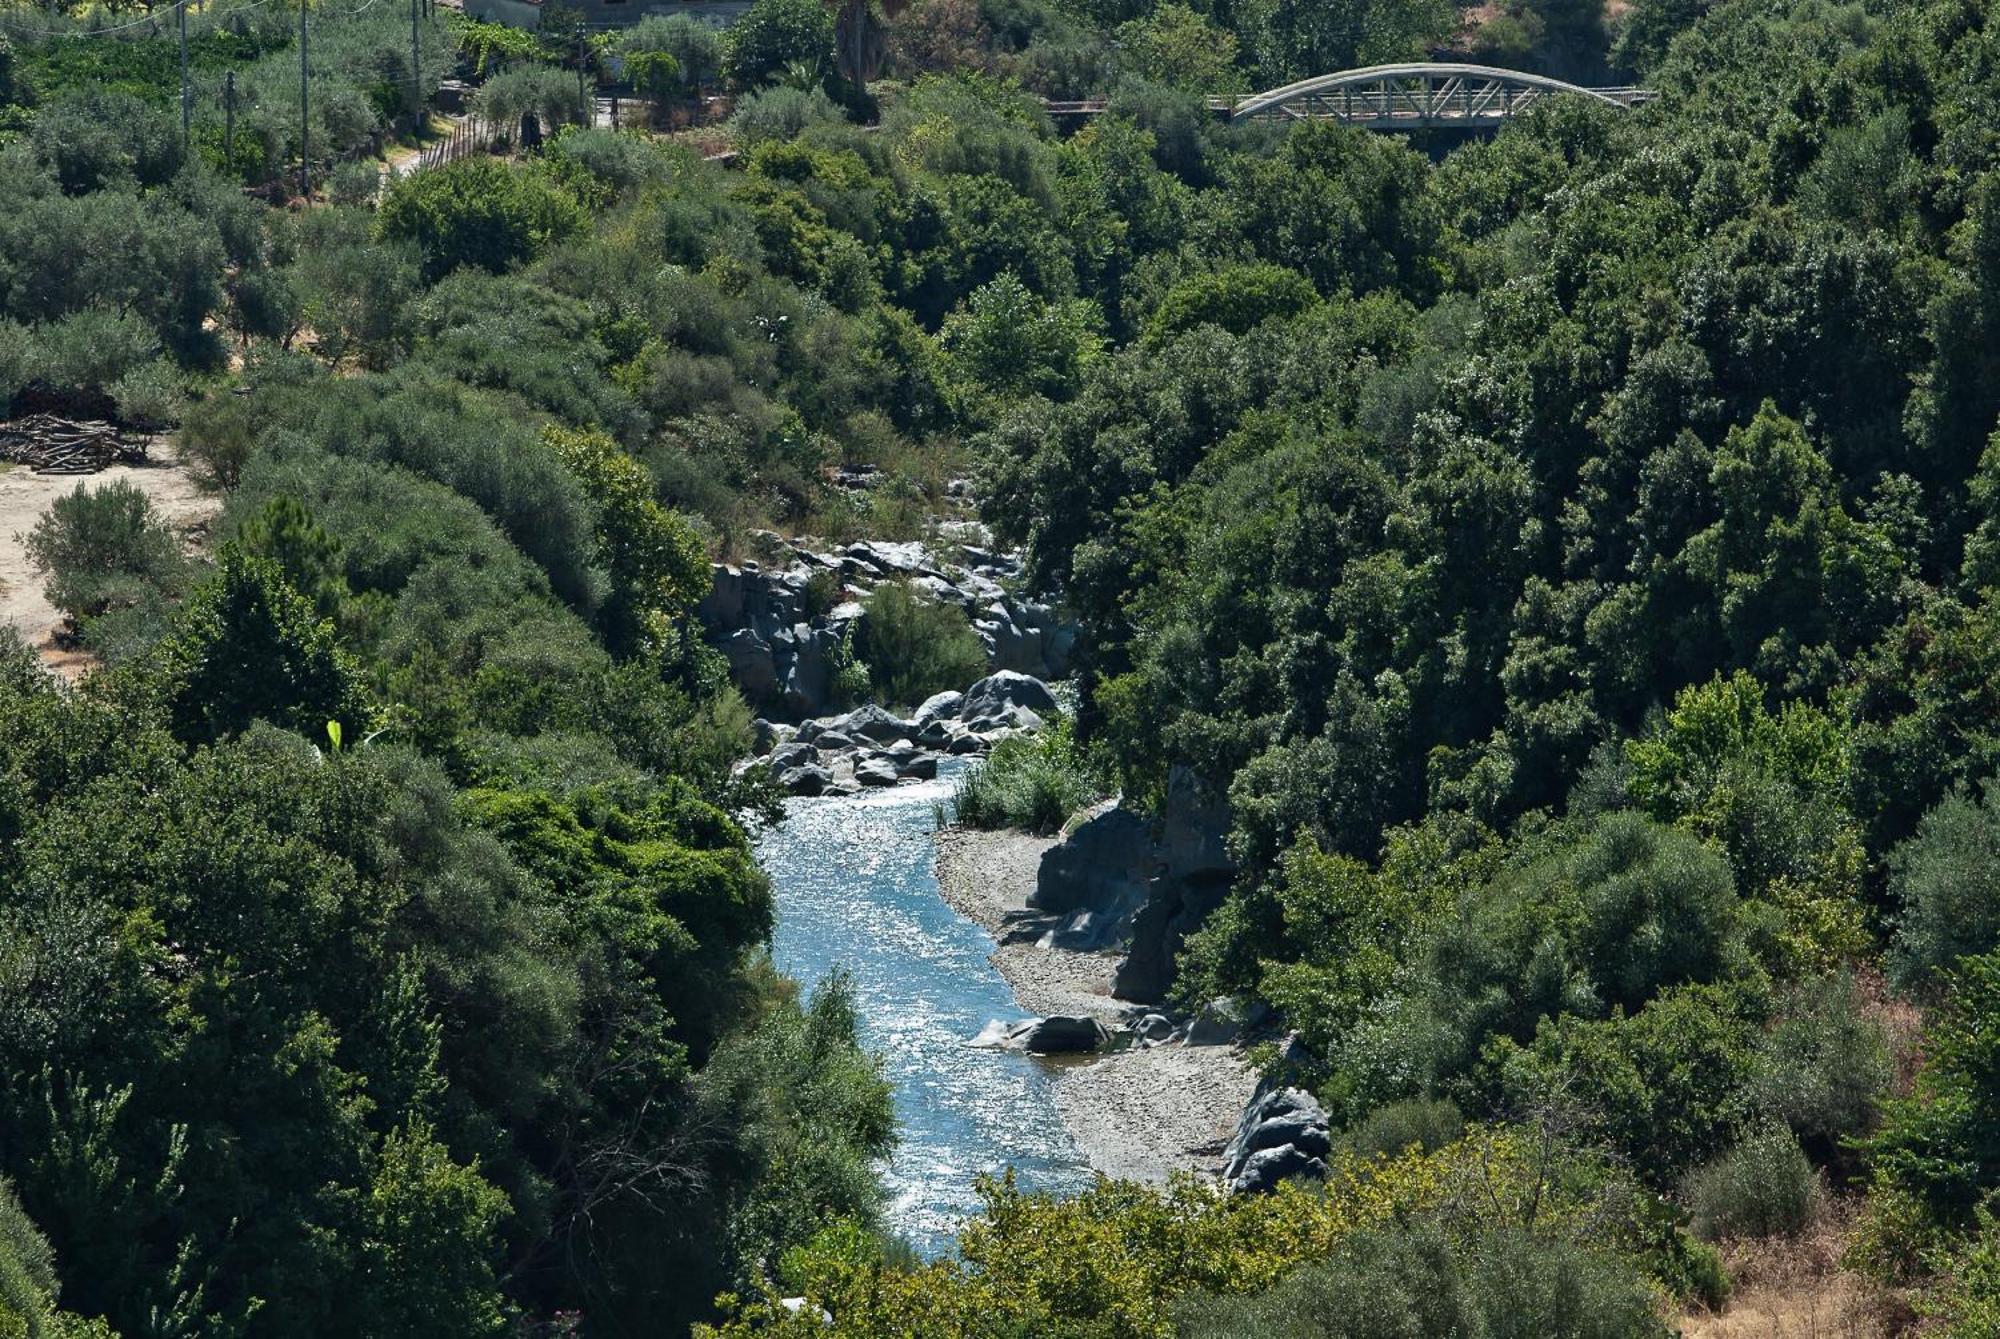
(25, 496)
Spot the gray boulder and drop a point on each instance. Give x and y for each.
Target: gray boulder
(1283, 1133)
(876, 772)
(964, 744)
(795, 754)
(1262, 1171)
(1220, 1022)
(870, 722)
(922, 767)
(938, 707)
(1154, 1027)
(831, 741)
(807, 780)
(996, 694)
(1103, 864)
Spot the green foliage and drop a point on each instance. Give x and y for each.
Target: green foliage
(1825, 1061)
(1118, 1258)
(1762, 1187)
(105, 548)
(1006, 342)
(1418, 1282)
(776, 35)
(1033, 782)
(546, 94)
(1773, 792)
(478, 212)
(1939, 1148)
(1179, 47)
(248, 647)
(916, 645)
(1942, 879)
(778, 114)
(1239, 299)
(657, 564)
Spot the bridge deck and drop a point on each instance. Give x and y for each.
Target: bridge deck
(1398, 97)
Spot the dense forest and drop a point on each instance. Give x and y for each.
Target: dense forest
(1571, 553)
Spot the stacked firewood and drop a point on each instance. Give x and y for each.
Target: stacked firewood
(51, 445)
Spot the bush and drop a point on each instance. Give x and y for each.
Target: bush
(1238, 298)
(777, 35)
(1032, 782)
(354, 184)
(478, 211)
(103, 548)
(218, 436)
(1761, 1188)
(248, 648)
(151, 395)
(780, 114)
(1417, 1283)
(1946, 879)
(1391, 1131)
(1826, 1062)
(916, 645)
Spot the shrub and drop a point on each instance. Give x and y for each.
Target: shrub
(1762, 1187)
(1392, 1130)
(151, 395)
(1417, 1282)
(105, 547)
(779, 114)
(248, 648)
(777, 35)
(218, 436)
(1946, 879)
(1826, 1062)
(478, 211)
(355, 184)
(1033, 782)
(916, 645)
(1238, 298)
(541, 91)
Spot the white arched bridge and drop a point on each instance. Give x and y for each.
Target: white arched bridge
(1417, 96)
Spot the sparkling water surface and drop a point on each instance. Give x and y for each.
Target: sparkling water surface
(856, 886)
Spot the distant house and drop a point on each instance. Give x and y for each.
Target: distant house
(602, 14)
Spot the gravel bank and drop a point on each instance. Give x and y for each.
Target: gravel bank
(1135, 1114)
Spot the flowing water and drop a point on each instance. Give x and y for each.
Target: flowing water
(857, 888)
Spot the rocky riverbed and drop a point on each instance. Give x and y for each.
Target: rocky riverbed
(1140, 1112)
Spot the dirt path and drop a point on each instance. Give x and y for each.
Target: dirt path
(25, 496)
(1137, 1114)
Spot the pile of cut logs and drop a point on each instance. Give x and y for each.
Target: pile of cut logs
(51, 445)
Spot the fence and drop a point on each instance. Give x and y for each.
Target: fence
(469, 138)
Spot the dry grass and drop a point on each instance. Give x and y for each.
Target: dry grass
(1797, 1288)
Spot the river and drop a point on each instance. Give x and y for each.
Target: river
(856, 886)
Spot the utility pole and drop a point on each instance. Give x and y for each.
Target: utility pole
(416, 67)
(229, 117)
(187, 95)
(305, 126)
(582, 101)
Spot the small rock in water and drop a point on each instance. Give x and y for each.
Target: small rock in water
(876, 772)
(923, 767)
(1057, 1034)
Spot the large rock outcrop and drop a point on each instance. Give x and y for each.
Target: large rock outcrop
(1283, 1133)
(773, 626)
(1195, 875)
